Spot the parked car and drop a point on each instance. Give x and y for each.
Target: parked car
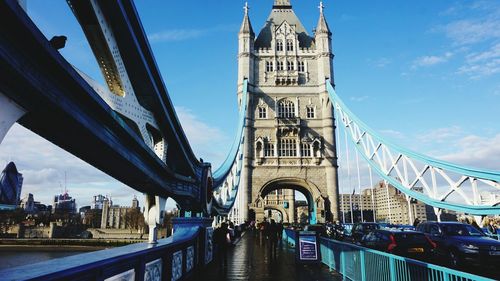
(459, 244)
(410, 244)
(360, 229)
(318, 228)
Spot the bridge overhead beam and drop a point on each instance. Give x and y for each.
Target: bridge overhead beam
(64, 109)
(144, 75)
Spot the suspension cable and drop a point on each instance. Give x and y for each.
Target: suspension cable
(349, 174)
(373, 193)
(341, 194)
(359, 186)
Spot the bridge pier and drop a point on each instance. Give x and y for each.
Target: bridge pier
(9, 114)
(153, 214)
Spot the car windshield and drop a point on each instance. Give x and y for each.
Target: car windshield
(371, 226)
(410, 237)
(461, 230)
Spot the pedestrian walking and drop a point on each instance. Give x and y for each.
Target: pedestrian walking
(272, 235)
(221, 240)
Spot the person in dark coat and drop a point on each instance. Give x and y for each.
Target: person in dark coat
(273, 239)
(221, 241)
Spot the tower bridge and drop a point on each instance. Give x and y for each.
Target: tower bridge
(286, 141)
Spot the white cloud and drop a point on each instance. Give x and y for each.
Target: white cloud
(359, 99)
(381, 62)
(188, 34)
(482, 64)
(441, 135)
(476, 151)
(431, 60)
(471, 31)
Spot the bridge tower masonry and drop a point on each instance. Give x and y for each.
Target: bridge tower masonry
(290, 128)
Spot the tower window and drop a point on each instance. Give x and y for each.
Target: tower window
(290, 65)
(269, 66)
(286, 109)
(269, 149)
(301, 66)
(288, 148)
(289, 45)
(305, 150)
(262, 112)
(310, 112)
(279, 45)
(280, 66)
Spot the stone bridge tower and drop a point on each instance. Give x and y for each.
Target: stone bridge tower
(289, 134)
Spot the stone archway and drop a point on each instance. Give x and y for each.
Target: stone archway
(284, 214)
(314, 196)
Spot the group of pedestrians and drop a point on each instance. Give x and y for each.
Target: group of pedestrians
(272, 233)
(223, 238)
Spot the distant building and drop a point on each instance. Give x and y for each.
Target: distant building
(490, 198)
(11, 182)
(390, 204)
(115, 216)
(98, 202)
(28, 204)
(63, 203)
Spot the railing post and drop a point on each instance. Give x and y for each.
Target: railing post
(392, 269)
(153, 214)
(362, 266)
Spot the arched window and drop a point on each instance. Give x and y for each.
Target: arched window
(280, 65)
(262, 112)
(269, 66)
(286, 109)
(310, 112)
(288, 147)
(305, 150)
(290, 65)
(269, 149)
(289, 45)
(301, 66)
(279, 45)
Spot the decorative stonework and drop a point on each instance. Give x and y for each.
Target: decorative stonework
(153, 271)
(189, 258)
(177, 265)
(124, 276)
(208, 245)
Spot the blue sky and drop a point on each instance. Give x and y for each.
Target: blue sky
(426, 74)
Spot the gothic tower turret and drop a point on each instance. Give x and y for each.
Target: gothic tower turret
(246, 38)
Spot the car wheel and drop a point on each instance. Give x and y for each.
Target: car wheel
(454, 259)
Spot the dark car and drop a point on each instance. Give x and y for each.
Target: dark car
(410, 244)
(459, 244)
(361, 229)
(318, 228)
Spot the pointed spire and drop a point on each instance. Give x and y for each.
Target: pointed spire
(322, 24)
(246, 26)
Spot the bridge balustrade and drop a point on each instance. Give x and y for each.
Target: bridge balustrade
(173, 258)
(359, 263)
(363, 264)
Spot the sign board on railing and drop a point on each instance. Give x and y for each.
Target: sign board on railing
(307, 250)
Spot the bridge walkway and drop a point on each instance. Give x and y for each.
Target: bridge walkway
(249, 260)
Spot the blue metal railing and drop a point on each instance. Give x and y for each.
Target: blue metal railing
(173, 258)
(289, 236)
(358, 263)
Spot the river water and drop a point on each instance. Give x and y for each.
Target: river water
(12, 258)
